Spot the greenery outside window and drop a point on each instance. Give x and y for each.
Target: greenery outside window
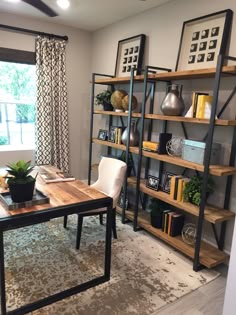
(17, 103)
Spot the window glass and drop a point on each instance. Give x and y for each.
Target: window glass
(17, 104)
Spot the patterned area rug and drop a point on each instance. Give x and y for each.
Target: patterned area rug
(146, 274)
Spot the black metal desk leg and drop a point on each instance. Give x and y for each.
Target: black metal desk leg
(2, 277)
(107, 267)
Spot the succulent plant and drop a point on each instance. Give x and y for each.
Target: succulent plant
(19, 172)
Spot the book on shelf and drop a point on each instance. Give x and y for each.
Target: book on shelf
(204, 106)
(165, 220)
(170, 215)
(150, 146)
(56, 177)
(192, 112)
(177, 184)
(115, 134)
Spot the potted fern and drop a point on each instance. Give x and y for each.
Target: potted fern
(20, 182)
(104, 98)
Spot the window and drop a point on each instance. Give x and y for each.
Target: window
(17, 100)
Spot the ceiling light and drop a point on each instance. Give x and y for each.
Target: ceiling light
(64, 4)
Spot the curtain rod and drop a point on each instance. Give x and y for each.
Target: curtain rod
(24, 30)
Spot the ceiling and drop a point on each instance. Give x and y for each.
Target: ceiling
(89, 15)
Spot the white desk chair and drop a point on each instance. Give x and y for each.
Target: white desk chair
(111, 174)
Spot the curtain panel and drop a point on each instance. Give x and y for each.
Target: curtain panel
(52, 134)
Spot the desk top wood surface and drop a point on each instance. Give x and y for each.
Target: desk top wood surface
(60, 194)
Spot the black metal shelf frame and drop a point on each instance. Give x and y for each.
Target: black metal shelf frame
(150, 94)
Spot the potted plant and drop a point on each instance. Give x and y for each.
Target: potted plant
(104, 98)
(157, 207)
(192, 189)
(20, 183)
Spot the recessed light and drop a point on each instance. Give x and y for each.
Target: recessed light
(64, 4)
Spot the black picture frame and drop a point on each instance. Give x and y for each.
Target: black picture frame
(152, 182)
(102, 134)
(166, 182)
(215, 26)
(130, 50)
(112, 134)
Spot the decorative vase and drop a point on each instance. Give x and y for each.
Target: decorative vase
(156, 220)
(133, 135)
(173, 104)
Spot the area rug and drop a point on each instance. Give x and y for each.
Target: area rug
(146, 274)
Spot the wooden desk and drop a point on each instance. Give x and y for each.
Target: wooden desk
(65, 198)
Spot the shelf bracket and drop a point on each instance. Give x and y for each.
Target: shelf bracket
(215, 234)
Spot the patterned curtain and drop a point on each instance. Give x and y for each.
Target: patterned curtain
(52, 135)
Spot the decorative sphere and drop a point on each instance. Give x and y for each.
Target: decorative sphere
(125, 102)
(116, 99)
(189, 233)
(174, 146)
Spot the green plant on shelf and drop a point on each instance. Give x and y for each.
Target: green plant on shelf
(103, 97)
(192, 189)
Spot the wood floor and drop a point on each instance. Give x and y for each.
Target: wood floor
(207, 300)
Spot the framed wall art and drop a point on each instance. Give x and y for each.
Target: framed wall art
(130, 55)
(152, 182)
(203, 39)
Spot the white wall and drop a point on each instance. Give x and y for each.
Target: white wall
(78, 58)
(163, 26)
(230, 301)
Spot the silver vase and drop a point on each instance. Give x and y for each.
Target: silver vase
(133, 136)
(173, 104)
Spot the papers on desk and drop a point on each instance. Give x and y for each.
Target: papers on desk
(56, 177)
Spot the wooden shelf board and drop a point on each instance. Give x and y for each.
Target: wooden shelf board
(209, 255)
(211, 214)
(218, 122)
(167, 76)
(123, 114)
(216, 170)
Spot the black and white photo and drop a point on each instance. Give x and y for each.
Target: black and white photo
(152, 182)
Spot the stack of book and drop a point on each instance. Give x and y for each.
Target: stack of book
(201, 105)
(150, 146)
(177, 184)
(172, 222)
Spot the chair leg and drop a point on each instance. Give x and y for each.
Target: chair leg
(113, 223)
(101, 219)
(79, 230)
(65, 221)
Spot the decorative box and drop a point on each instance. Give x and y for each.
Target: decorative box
(194, 151)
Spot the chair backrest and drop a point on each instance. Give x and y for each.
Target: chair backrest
(111, 174)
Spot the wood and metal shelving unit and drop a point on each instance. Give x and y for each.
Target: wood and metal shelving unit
(202, 253)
